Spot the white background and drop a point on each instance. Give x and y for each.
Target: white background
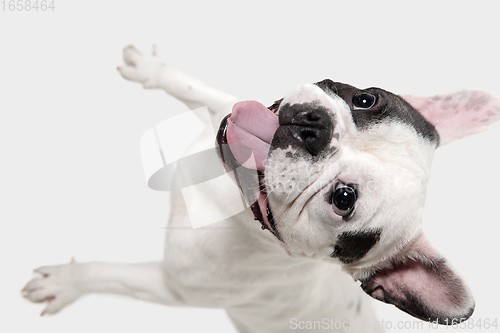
(71, 177)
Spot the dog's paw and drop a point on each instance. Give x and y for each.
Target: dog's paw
(57, 285)
(140, 67)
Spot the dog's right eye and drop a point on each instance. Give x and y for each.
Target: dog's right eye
(364, 101)
(343, 200)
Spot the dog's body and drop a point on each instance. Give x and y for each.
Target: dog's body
(274, 281)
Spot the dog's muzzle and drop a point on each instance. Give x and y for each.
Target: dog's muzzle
(307, 126)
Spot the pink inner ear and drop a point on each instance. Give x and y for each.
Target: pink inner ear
(460, 114)
(415, 280)
(422, 285)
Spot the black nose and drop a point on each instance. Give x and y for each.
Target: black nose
(310, 126)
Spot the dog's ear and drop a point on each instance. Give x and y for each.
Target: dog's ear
(460, 114)
(421, 283)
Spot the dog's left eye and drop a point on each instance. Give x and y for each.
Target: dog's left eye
(343, 200)
(364, 100)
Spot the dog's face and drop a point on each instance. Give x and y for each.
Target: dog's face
(347, 171)
(343, 177)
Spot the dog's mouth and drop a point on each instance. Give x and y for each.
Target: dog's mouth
(243, 142)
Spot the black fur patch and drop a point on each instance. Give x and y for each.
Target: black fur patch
(352, 246)
(387, 107)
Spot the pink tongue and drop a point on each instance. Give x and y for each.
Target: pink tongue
(250, 129)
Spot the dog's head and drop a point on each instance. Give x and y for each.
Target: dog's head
(343, 175)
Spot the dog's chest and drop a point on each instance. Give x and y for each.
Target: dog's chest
(241, 268)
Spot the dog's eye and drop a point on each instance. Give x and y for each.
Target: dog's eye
(343, 200)
(364, 101)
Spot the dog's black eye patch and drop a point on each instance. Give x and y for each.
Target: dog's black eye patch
(372, 106)
(352, 246)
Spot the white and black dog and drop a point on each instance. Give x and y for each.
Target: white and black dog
(341, 177)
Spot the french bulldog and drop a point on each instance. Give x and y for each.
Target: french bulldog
(338, 186)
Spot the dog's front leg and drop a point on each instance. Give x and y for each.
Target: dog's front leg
(154, 74)
(60, 285)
